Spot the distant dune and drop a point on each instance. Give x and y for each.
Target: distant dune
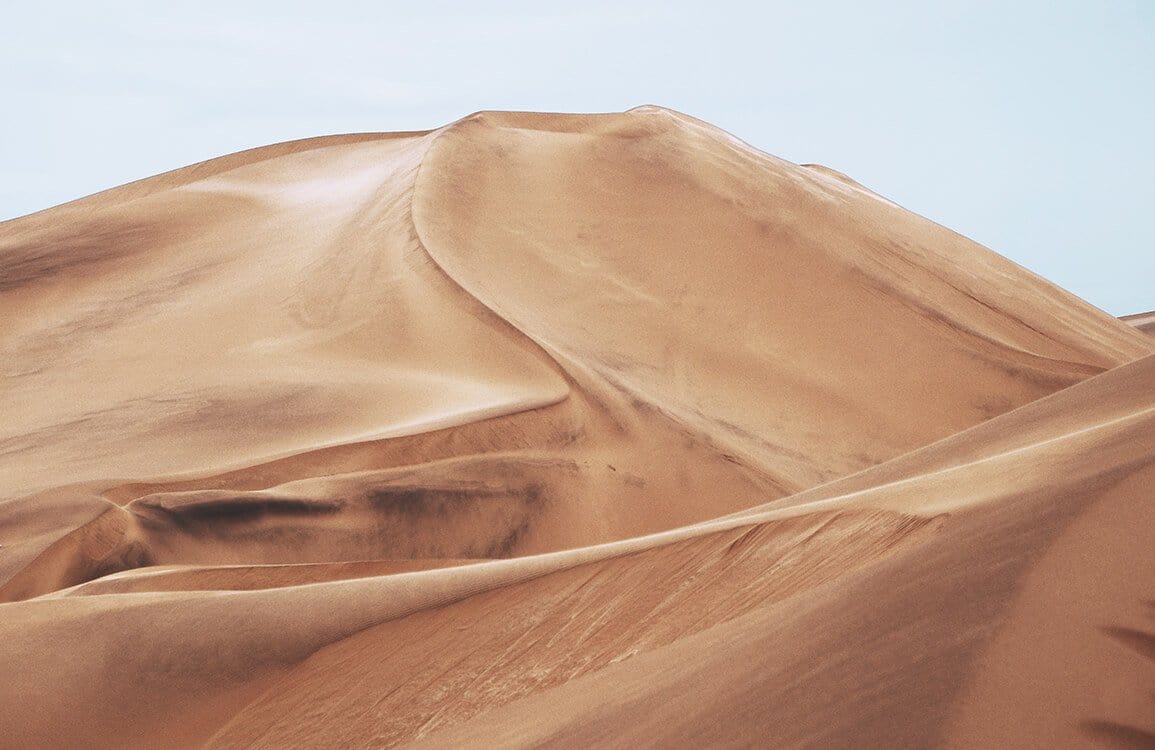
(561, 430)
(1145, 322)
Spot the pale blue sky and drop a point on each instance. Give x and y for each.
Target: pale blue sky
(1028, 126)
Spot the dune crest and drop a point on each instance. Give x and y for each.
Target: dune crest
(1145, 322)
(620, 397)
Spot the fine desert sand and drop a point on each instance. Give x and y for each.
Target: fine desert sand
(560, 430)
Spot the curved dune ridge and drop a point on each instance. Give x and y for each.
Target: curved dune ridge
(564, 430)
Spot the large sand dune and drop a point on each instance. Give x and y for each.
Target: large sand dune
(560, 430)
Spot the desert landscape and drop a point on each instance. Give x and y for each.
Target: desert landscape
(565, 431)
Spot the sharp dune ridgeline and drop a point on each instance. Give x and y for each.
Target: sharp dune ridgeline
(560, 430)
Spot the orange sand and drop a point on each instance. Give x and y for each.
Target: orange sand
(560, 430)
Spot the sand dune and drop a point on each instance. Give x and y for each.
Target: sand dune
(1143, 321)
(559, 429)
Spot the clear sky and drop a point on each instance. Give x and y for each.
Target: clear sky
(1026, 125)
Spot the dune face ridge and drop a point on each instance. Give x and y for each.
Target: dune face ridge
(565, 430)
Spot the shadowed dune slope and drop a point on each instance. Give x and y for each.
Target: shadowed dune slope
(558, 429)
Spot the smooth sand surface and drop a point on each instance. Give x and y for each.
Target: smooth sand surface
(562, 430)
(1145, 322)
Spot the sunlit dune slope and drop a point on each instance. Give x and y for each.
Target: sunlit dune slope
(559, 429)
(1024, 619)
(565, 329)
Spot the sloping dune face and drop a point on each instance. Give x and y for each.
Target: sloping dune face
(1143, 321)
(559, 429)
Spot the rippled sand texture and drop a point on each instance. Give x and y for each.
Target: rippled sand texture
(561, 430)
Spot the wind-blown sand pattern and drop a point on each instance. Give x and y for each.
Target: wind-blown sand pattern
(560, 430)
